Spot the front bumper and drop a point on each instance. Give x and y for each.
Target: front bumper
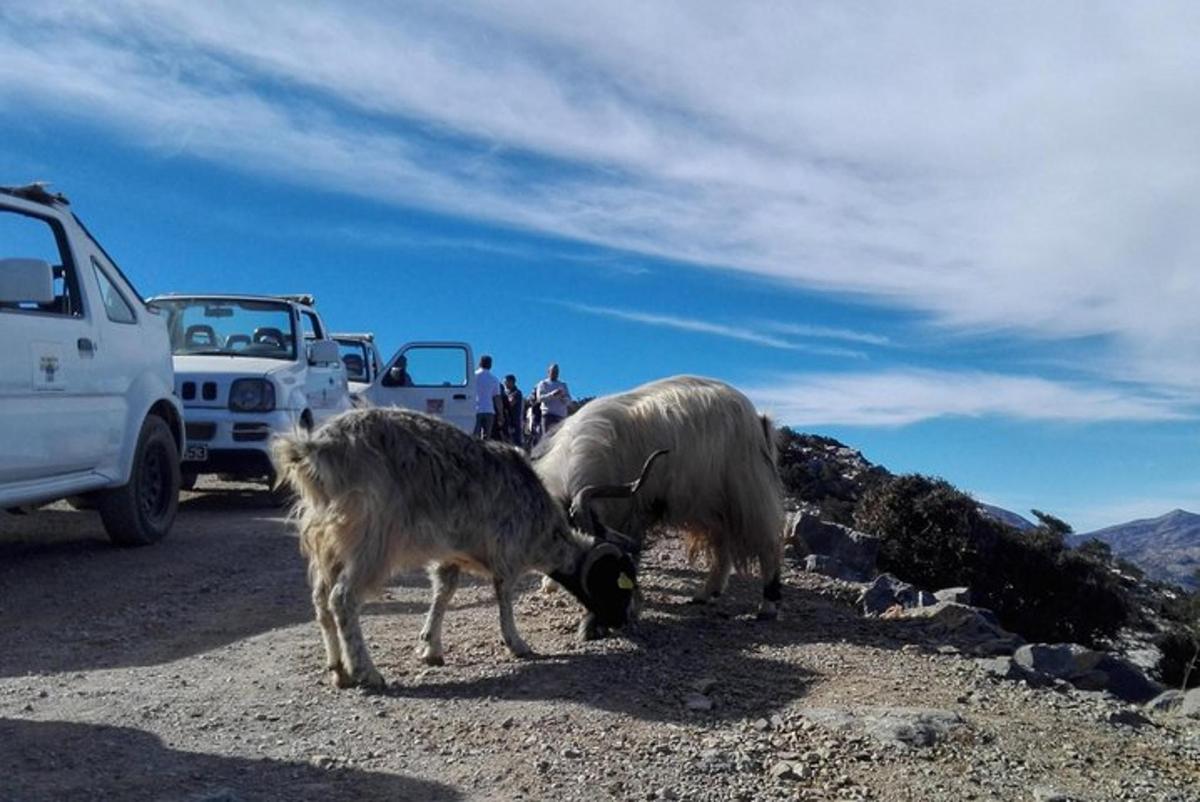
(235, 443)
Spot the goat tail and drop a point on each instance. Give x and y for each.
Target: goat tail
(290, 455)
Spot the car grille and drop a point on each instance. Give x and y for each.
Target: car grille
(200, 431)
(251, 432)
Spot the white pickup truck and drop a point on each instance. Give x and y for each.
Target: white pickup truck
(87, 407)
(433, 377)
(360, 356)
(248, 367)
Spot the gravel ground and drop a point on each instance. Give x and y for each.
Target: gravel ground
(191, 670)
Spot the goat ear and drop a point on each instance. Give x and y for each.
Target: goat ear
(601, 561)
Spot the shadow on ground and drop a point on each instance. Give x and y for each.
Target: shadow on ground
(58, 760)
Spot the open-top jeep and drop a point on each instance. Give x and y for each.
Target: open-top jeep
(248, 367)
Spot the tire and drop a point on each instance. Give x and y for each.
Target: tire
(142, 511)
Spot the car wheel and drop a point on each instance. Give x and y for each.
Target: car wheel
(142, 511)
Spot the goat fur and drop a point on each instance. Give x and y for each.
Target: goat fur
(385, 490)
(722, 492)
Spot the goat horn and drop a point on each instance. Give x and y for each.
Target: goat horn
(587, 494)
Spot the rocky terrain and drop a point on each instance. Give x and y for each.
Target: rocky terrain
(1167, 548)
(191, 671)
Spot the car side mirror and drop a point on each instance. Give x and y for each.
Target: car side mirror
(323, 352)
(26, 281)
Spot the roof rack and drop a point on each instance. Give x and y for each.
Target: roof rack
(37, 193)
(301, 298)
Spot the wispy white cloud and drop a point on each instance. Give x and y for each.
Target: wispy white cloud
(900, 397)
(742, 333)
(977, 164)
(826, 333)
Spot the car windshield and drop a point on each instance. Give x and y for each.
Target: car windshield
(230, 327)
(356, 359)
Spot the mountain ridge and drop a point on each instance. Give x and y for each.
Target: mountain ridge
(1167, 547)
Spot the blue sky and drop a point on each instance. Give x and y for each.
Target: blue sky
(960, 237)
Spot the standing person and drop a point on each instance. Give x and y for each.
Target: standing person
(487, 398)
(553, 396)
(514, 410)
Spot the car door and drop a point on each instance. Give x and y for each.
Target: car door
(121, 353)
(325, 382)
(431, 377)
(48, 389)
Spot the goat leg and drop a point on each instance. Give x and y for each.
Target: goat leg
(508, 626)
(444, 578)
(333, 649)
(718, 577)
(356, 660)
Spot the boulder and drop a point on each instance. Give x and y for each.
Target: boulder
(1190, 706)
(854, 551)
(887, 591)
(1126, 681)
(898, 727)
(1089, 670)
(1061, 660)
(1166, 702)
(971, 629)
(825, 565)
(958, 595)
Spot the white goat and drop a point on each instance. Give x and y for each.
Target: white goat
(723, 490)
(386, 490)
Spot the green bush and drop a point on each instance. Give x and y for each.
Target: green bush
(934, 536)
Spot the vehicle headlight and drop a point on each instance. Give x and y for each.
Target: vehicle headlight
(252, 395)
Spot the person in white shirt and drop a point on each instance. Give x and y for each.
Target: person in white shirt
(488, 398)
(554, 397)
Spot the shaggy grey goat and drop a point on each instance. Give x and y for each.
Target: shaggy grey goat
(386, 490)
(723, 490)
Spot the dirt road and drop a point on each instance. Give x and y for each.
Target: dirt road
(191, 670)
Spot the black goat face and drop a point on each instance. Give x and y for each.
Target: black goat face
(609, 579)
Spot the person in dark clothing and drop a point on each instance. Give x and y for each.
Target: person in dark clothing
(514, 410)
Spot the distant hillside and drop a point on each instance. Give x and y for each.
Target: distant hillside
(1007, 517)
(1167, 548)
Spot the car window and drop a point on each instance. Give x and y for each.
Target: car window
(230, 327)
(311, 326)
(25, 236)
(436, 365)
(356, 359)
(115, 305)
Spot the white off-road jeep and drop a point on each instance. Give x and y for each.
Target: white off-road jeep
(361, 359)
(87, 408)
(248, 367)
(437, 378)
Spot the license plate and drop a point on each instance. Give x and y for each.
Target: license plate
(195, 453)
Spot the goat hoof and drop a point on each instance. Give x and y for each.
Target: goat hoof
(339, 678)
(521, 651)
(592, 631)
(433, 660)
(373, 679)
(766, 615)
